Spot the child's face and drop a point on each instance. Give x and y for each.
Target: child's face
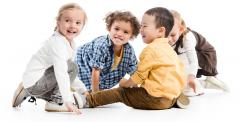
(120, 32)
(71, 23)
(175, 32)
(148, 29)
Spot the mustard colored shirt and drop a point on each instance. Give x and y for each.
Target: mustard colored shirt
(160, 71)
(117, 59)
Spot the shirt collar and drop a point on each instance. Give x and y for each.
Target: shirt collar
(109, 41)
(161, 40)
(56, 33)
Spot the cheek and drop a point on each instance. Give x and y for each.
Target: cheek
(171, 40)
(176, 37)
(111, 32)
(128, 36)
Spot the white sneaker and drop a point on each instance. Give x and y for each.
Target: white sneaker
(183, 101)
(188, 91)
(19, 95)
(212, 82)
(54, 107)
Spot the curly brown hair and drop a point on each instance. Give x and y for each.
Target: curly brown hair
(123, 16)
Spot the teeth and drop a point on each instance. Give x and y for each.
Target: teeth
(71, 32)
(118, 39)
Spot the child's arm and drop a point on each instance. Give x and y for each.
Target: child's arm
(191, 53)
(59, 57)
(132, 66)
(190, 44)
(95, 79)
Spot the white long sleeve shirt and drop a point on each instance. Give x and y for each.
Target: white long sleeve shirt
(188, 54)
(55, 52)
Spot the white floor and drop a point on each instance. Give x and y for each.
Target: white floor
(212, 106)
(26, 24)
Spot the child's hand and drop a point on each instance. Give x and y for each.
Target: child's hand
(86, 93)
(191, 82)
(122, 82)
(192, 85)
(127, 83)
(72, 108)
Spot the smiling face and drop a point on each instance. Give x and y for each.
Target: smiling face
(70, 23)
(120, 32)
(176, 32)
(148, 29)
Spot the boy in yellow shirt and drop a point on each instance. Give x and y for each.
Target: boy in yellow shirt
(159, 79)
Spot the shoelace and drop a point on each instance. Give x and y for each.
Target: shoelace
(32, 99)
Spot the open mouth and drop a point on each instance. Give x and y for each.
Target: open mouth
(118, 39)
(72, 32)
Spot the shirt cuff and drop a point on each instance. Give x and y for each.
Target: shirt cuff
(136, 78)
(68, 97)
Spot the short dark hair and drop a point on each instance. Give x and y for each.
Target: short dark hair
(163, 18)
(123, 16)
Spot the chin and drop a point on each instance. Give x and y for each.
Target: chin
(144, 40)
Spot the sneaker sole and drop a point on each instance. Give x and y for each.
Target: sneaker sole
(183, 102)
(75, 100)
(48, 110)
(16, 99)
(216, 85)
(56, 109)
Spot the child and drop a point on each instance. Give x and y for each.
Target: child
(159, 73)
(105, 60)
(195, 52)
(51, 71)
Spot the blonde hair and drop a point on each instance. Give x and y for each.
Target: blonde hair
(179, 18)
(70, 6)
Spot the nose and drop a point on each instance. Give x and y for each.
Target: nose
(120, 33)
(72, 24)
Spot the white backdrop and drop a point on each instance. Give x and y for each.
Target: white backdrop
(26, 24)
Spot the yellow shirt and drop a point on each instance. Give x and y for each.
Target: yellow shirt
(117, 59)
(160, 71)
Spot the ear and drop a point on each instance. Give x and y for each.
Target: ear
(161, 32)
(58, 23)
(181, 28)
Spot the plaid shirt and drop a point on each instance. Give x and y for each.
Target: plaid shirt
(99, 54)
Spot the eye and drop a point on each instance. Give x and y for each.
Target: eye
(125, 32)
(117, 29)
(172, 35)
(143, 26)
(67, 20)
(78, 23)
